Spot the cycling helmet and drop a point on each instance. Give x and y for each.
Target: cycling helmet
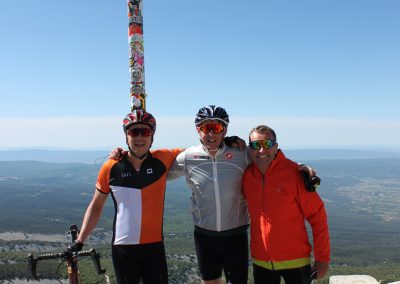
(211, 112)
(139, 116)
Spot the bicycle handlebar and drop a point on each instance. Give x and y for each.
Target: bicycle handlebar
(66, 255)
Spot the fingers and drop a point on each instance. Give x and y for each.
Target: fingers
(117, 153)
(313, 172)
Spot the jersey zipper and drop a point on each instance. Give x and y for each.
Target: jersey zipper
(217, 195)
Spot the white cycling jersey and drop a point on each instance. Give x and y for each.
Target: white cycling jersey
(217, 202)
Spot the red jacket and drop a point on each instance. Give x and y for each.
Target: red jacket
(279, 204)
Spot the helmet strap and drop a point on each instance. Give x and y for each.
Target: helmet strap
(141, 157)
(137, 156)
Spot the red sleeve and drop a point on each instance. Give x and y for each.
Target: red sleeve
(314, 210)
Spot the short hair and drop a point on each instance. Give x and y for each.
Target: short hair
(263, 129)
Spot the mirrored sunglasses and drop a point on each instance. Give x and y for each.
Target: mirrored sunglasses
(144, 132)
(215, 128)
(266, 144)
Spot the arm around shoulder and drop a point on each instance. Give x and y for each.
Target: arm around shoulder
(177, 168)
(315, 213)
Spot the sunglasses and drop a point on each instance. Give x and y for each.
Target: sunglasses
(266, 144)
(215, 128)
(144, 132)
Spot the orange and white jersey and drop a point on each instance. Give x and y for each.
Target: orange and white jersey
(138, 196)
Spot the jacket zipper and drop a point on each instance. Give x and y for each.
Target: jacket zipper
(265, 210)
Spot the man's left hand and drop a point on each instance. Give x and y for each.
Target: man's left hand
(75, 247)
(322, 268)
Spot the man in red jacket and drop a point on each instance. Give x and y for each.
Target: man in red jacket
(279, 204)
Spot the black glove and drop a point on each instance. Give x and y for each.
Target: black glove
(75, 247)
(229, 140)
(311, 183)
(313, 275)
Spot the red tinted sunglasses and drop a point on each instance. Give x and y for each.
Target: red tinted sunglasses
(144, 132)
(215, 128)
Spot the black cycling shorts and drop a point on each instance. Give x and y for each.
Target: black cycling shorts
(291, 276)
(227, 253)
(144, 261)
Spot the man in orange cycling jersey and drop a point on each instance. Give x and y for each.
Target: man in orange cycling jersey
(279, 204)
(137, 185)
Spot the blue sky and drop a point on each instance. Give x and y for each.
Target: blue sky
(323, 74)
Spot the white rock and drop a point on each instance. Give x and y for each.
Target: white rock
(352, 279)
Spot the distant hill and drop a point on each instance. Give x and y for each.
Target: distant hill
(39, 196)
(362, 198)
(46, 197)
(98, 156)
(339, 154)
(55, 156)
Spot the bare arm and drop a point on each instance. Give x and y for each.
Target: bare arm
(92, 215)
(178, 167)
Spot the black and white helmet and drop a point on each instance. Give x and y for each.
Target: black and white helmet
(211, 112)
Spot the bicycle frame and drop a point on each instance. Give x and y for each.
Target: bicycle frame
(71, 258)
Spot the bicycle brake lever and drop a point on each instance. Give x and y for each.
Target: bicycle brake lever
(32, 262)
(96, 260)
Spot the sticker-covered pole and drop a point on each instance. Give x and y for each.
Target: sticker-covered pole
(136, 55)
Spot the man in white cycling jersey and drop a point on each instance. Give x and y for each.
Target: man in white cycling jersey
(214, 172)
